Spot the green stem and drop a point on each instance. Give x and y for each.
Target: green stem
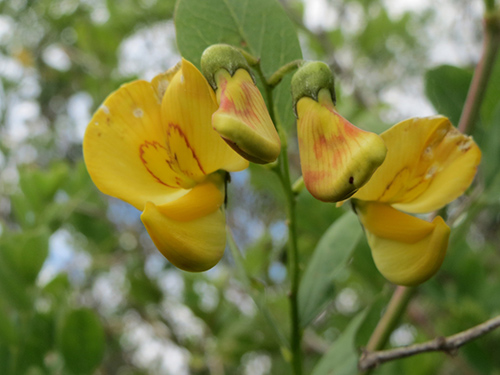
(293, 266)
(392, 315)
(281, 72)
(251, 59)
(298, 185)
(293, 256)
(482, 73)
(396, 308)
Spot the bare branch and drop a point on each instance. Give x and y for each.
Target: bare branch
(445, 344)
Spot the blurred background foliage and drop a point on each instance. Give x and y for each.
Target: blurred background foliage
(84, 291)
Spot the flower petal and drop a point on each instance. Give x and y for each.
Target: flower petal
(336, 157)
(201, 200)
(429, 163)
(242, 119)
(187, 108)
(406, 250)
(124, 148)
(195, 245)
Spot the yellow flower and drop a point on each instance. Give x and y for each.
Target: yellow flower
(152, 145)
(242, 119)
(429, 163)
(336, 157)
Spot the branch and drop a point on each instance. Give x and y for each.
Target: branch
(482, 73)
(445, 344)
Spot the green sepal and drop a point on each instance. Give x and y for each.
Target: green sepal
(311, 77)
(222, 56)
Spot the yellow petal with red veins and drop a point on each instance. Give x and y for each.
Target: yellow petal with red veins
(429, 163)
(186, 111)
(336, 157)
(242, 119)
(406, 250)
(125, 148)
(195, 245)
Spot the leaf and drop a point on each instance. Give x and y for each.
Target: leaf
(24, 253)
(12, 290)
(58, 288)
(330, 256)
(142, 289)
(446, 87)
(38, 342)
(82, 341)
(486, 137)
(261, 27)
(8, 330)
(491, 99)
(342, 357)
(39, 187)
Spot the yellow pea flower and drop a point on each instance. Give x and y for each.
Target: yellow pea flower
(242, 119)
(336, 157)
(429, 163)
(151, 144)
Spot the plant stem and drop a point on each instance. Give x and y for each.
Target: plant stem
(293, 267)
(298, 185)
(277, 76)
(444, 344)
(293, 256)
(251, 60)
(397, 305)
(392, 315)
(482, 73)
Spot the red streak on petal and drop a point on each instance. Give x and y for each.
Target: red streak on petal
(319, 145)
(142, 150)
(174, 127)
(312, 177)
(247, 114)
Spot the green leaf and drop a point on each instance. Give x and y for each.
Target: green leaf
(24, 253)
(342, 357)
(446, 87)
(12, 290)
(39, 187)
(491, 99)
(486, 137)
(38, 340)
(330, 256)
(261, 27)
(58, 288)
(82, 341)
(8, 330)
(142, 289)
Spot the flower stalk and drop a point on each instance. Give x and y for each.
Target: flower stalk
(397, 305)
(277, 76)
